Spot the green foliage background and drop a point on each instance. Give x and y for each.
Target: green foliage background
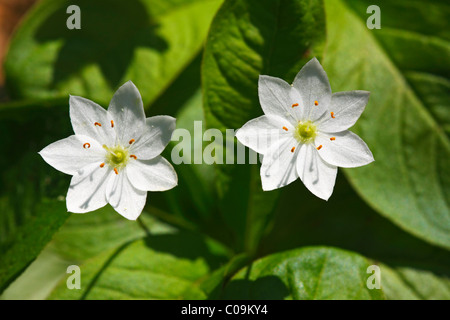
(218, 235)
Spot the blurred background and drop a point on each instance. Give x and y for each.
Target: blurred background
(11, 11)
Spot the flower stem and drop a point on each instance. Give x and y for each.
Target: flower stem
(143, 226)
(170, 218)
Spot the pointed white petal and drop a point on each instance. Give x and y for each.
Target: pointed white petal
(346, 150)
(317, 175)
(313, 85)
(347, 107)
(279, 98)
(90, 119)
(127, 111)
(87, 191)
(123, 197)
(72, 153)
(260, 133)
(278, 165)
(152, 175)
(155, 137)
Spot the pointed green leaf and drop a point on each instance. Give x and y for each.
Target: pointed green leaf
(148, 42)
(32, 206)
(305, 274)
(347, 222)
(405, 66)
(249, 38)
(161, 266)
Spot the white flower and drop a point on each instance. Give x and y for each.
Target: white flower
(114, 156)
(304, 131)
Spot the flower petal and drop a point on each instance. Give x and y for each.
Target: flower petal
(123, 197)
(279, 98)
(317, 175)
(278, 164)
(87, 191)
(73, 153)
(313, 85)
(347, 107)
(127, 111)
(90, 119)
(260, 133)
(152, 175)
(155, 137)
(346, 150)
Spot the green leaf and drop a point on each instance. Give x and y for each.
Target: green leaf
(39, 279)
(360, 229)
(405, 66)
(159, 266)
(191, 205)
(304, 274)
(87, 235)
(246, 39)
(406, 283)
(31, 192)
(29, 240)
(148, 42)
(82, 237)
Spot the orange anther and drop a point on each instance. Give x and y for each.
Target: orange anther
(284, 128)
(102, 165)
(295, 105)
(316, 103)
(319, 147)
(332, 138)
(86, 145)
(115, 170)
(112, 123)
(293, 149)
(133, 156)
(131, 141)
(98, 124)
(332, 115)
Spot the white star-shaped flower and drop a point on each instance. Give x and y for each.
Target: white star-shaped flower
(114, 156)
(303, 132)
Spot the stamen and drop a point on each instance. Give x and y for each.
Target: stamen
(293, 149)
(295, 105)
(319, 147)
(316, 103)
(112, 123)
(86, 145)
(131, 141)
(102, 165)
(133, 156)
(332, 138)
(115, 170)
(284, 128)
(98, 124)
(332, 115)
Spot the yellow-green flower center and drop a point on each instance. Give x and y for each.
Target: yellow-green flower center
(116, 156)
(305, 131)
